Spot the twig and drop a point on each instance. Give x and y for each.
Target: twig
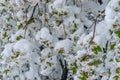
(106, 47)
(31, 17)
(94, 28)
(95, 22)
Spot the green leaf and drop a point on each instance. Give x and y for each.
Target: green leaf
(20, 26)
(60, 14)
(95, 63)
(5, 35)
(61, 51)
(85, 73)
(47, 1)
(97, 49)
(58, 22)
(112, 46)
(93, 72)
(3, 10)
(46, 20)
(104, 57)
(116, 77)
(117, 59)
(49, 55)
(65, 13)
(118, 70)
(117, 33)
(2, 4)
(19, 37)
(6, 71)
(75, 64)
(55, 12)
(32, 20)
(15, 55)
(49, 63)
(73, 69)
(75, 25)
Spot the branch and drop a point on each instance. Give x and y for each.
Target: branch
(31, 17)
(64, 69)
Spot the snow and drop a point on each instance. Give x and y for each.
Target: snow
(87, 38)
(23, 46)
(62, 36)
(81, 53)
(66, 45)
(71, 59)
(20, 15)
(33, 2)
(54, 69)
(20, 3)
(45, 53)
(18, 33)
(58, 2)
(44, 35)
(7, 51)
